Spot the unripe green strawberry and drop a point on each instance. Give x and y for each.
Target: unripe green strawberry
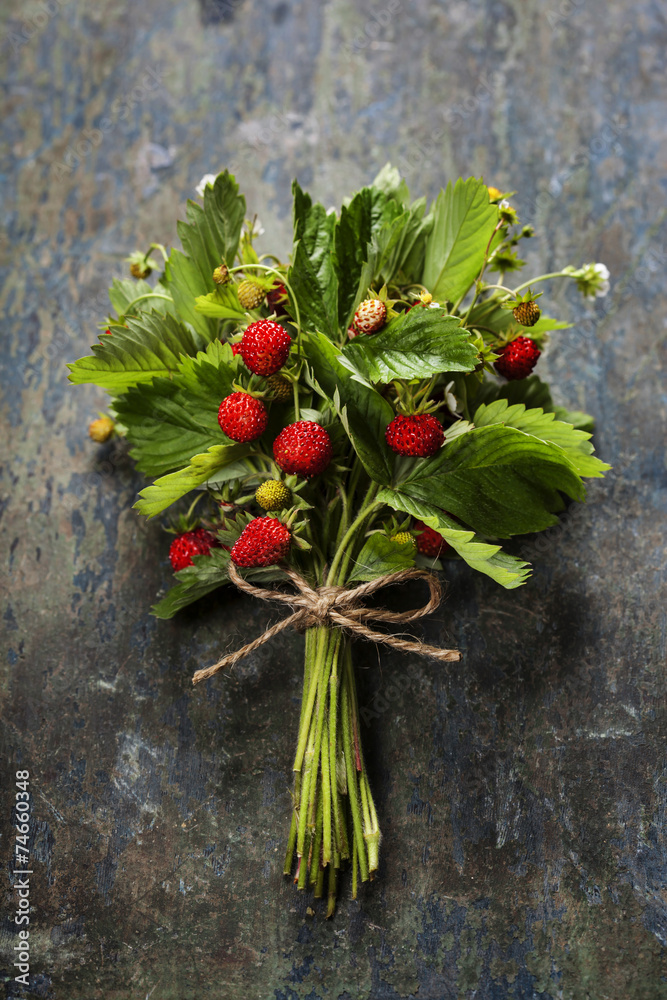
(273, 495)
(221, 275)
(370, 316)
(280, 388)
(526, 313)
(250, 294)
(402, 537)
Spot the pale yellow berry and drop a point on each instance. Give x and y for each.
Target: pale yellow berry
(101, 430)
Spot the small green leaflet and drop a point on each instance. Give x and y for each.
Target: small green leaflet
(312, 276)
(390, 183)
(170, 420)
(421, 343)
(380, 556)
(533, 392)
(210, 234)
(223, 303)
(151, 345)
(359, 222)
(166, 490)
(363, 411)
(506, 570)
(207, 573)
(575, 443)
(464, 220)
(498, 480)
(125, 291)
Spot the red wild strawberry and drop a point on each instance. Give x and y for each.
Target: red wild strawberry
(370, 316)
(429, 542)
(236, 348)
(193, 543)
(352, 332)
(264, 542)
(303, 448)
(518, 358)
(242, 417)
(265, 347)
(417, 434)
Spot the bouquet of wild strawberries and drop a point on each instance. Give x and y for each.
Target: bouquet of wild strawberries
(342, 426)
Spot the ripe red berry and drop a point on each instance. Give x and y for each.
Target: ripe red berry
(417, 434)
(429, 542)
(518, 358)
(236, 348)
(303, 448)
(193, 543)
(264, 542)
(265, 347)
(242, 417)
(370, 316)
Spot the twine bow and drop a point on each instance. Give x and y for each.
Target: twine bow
(341, 607)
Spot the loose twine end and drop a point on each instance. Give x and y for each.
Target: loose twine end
(341, 607)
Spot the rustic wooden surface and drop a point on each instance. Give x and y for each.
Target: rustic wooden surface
(522, 794)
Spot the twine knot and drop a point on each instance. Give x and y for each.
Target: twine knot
(339, 607)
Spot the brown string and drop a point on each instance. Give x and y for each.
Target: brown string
(341, 607)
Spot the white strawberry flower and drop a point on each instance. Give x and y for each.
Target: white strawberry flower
(208, 180)
(592, 280)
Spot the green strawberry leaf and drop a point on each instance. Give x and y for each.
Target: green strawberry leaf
(420, 343)
(575, 443)
(223, 303)
(359, 222)
(362, 410)
(464, 220)
(169, 420)
(312, 276)
(498, 480)
(210, 234)
(380, 556)
(533, 392)
(151, 345)
(390, 183)
(168, 489)
(490, 559)
(207, 573)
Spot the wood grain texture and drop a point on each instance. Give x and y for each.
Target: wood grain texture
(523, 792)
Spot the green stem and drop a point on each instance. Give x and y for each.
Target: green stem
(322, 690)
(148, 295)
(322, 637)
(303, 828)
(352, 787)
(542, 277)
(367, 506)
